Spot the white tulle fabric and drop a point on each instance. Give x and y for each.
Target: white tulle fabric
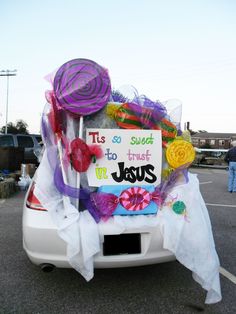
(77, 229)
(189, 238)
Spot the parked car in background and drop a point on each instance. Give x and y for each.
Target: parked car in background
(210, 157)
(30, 143)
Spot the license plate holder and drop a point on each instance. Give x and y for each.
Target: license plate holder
(122, 244)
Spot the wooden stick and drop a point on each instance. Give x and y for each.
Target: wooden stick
(81, 122)
(59, 146)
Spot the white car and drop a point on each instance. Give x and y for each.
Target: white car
(46, 249)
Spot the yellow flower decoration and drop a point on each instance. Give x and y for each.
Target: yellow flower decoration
(179, 153)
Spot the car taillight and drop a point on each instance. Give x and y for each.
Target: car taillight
(32, 201)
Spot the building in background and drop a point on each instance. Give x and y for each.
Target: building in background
(213, 140)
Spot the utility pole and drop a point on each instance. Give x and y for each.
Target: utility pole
(7, 73)
(187, 126)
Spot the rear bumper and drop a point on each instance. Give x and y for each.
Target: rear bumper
(43, 245)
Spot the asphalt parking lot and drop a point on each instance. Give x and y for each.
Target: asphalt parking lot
(163, 288)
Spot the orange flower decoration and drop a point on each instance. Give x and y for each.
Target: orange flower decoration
(179, 153)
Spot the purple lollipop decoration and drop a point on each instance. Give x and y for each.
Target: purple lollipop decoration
(82, 86)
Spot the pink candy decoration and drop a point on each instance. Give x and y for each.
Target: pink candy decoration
(135, 198)
(132, 199)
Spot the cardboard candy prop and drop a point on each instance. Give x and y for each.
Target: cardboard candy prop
(180, 152)
(126, 116)
(133, 199)
(168, 130)
(179, 207)
(136, 116)
(82, 86)
(82, 154)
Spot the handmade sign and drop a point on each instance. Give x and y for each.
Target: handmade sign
(130, 157)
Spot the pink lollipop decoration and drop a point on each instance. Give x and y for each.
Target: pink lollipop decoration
(82, 86)
(132, 199)
(135, 198)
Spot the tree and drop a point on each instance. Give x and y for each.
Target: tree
(20, 127)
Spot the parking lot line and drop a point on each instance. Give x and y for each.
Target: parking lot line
(220, 205)
(207, 182)
(2, 201)
(228, 275)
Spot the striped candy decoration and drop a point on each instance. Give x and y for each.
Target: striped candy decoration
(168, 131)
(135, 198)
(131, 116)
(82, 86)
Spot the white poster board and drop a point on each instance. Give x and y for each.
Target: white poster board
(130, 157)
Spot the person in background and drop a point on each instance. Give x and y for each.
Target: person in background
(230, 158)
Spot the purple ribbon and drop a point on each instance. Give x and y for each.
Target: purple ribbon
(64, 189)
(82, 194)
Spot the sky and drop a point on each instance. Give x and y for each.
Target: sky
(168, 49)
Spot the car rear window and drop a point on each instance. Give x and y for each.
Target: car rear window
(25, 141)
(39, 139)
(6, 141)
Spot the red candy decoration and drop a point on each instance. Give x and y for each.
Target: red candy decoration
(82, 155)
